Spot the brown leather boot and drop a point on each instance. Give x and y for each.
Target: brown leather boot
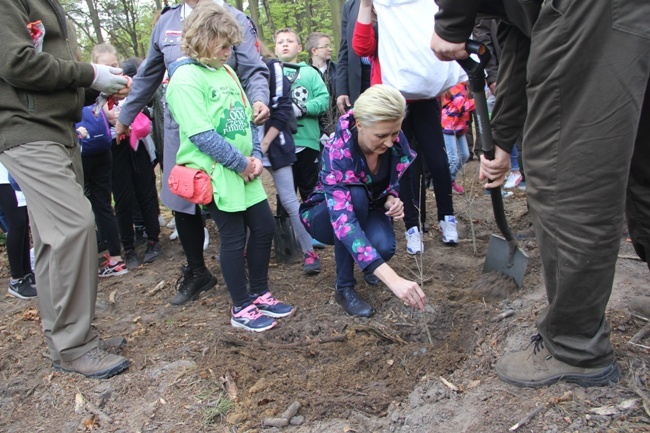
(95, 364)
(536, 367)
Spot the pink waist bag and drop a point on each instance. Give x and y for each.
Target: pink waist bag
(192, 184)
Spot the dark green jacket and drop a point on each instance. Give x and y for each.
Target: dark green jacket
(41, 94)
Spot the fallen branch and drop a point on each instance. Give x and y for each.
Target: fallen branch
(636, 340)
(541, 409)
(324, 340)
(98, 413)
(449, 384)
(504, 315)
(157, 289)
(629, 257)
(378, 332)
(528, 417)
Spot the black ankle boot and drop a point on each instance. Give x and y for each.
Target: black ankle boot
(349, 299)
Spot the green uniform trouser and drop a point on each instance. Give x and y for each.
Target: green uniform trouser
(588, 117)
(50, 175)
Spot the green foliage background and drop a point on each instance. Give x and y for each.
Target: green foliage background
(127, 24)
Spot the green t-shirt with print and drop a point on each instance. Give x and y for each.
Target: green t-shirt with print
(204, 99)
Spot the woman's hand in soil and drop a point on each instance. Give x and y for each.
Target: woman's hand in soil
(394, 208)
(496, 170)
(408, 291)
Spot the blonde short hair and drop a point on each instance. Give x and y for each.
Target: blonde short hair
(379, 103)
(102, 49)
(208, 27)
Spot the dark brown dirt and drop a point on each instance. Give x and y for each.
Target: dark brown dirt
(400, 371)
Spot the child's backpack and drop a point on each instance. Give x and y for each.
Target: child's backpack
(99, 138)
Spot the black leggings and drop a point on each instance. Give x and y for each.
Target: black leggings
(191, 234)
(18, 235)
(423, 123)
(134, 179)
(236, 252)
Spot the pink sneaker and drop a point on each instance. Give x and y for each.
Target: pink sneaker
(457, 188)
(312, 263)
(251, 319)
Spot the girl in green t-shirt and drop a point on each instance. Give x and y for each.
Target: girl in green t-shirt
(217, 136)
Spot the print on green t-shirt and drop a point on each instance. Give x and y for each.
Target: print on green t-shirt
(233, 121)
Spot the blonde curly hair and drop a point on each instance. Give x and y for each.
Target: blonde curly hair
(208, 28)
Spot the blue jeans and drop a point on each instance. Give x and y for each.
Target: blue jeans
(377, 227)
(514, 163)
(457, 152)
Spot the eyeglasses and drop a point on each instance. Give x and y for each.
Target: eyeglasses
(327, 47)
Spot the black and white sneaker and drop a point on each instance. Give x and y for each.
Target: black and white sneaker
(22, 288)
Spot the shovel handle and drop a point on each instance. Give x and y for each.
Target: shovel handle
(476, 73)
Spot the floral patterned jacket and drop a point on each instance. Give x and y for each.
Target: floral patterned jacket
(343, 166)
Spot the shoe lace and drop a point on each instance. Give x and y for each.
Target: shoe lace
(310, 257)
(538, 342)
(186, 274)
(97, 353)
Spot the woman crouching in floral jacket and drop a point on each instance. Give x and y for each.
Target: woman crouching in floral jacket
(356, 199)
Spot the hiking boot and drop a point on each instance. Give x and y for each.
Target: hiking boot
(251, 319)
(191, 283)
(458, 189)
(113, 269)
(311, 264)
(349, 299)
(537, 367)
(371, 279)
(152, 252)
(110, 344)
(448, 230)
(22, 288)
(95, 364)
(413, 241)
(131, 259)
(269, 306)
(639, 307)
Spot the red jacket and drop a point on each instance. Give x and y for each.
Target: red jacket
(364, 44)
(456, 108)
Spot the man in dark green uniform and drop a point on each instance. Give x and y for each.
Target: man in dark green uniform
(586, 139)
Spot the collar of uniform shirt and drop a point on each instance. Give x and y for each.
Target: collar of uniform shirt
(186, 9)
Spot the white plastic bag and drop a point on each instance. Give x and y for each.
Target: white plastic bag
(407, 62)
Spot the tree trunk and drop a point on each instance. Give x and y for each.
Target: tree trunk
(94, 18)
(269, 17)
(239, 4)
(254, 7)
(336, 8)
